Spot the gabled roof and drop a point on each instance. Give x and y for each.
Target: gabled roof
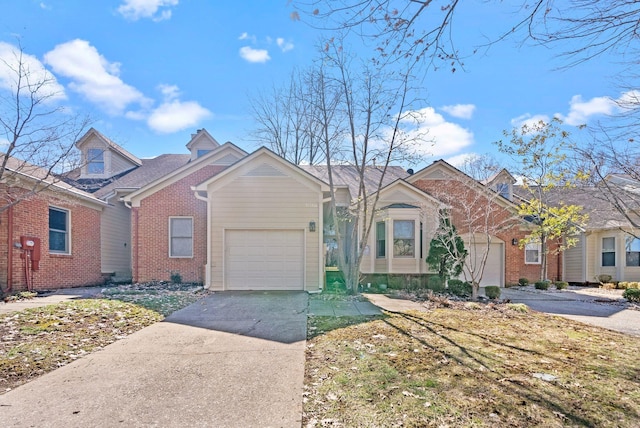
(113, 146)
(441, 169)
(200, 135)
(167, 177)
(503, 173)
(347, 176)
(35, 174)
(262, 152)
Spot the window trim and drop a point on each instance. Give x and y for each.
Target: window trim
(171, 237)
(383, 240)
(533, 246)
(602, 252)
(67, 233)
(413, 229)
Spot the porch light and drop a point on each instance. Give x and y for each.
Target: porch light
(312, 226)
(514, 241)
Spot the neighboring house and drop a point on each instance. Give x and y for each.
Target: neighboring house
(607, 246)
(237, 221)
(50, 237)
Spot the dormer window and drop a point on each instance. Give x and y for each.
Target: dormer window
(202, 152)
(95, 161)
(503, 190)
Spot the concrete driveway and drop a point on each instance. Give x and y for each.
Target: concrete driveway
(599, 310)
(232, 359)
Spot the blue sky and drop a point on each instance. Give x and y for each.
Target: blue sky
(151, 72)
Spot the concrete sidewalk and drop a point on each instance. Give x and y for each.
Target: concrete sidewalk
(58, 296)
(229, 360)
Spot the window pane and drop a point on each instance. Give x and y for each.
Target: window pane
(381, 241)
(608, 244)
(403, 229)
(531, 256)
(403, 248)
(57, 241)
(633, 258)
(181, 240)
(95, 155)
(632, 244)
(95, 161)
(57, 219)
(608, 259)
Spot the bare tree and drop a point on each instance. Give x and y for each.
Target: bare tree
(287, 119)
(38, 134)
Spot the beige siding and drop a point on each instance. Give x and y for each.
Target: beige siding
(592, 256)
(254, 202)
(119, 164)
(115, 232)
(574, 262)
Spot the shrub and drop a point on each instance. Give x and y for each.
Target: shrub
(523, 281)
(561, 285)
(632, 294)
(492, 291)
(394, 282)
(518, 307)
(633, 285)
(459, 288)
(542, 285)
(436, 284)
(604, 278)
(608, 286)
(176, 278)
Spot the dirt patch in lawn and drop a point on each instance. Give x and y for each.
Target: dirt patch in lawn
(469, 365)
(38, 340)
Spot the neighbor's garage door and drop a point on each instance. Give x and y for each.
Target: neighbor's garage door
(264, 259)
(494, 268)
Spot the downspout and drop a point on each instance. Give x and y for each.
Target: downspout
(9, 249)
(137, 249)
(207, 273)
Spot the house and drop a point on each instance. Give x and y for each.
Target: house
(49, 231)
(235, 220)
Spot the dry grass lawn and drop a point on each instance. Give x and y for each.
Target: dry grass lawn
(469, 366)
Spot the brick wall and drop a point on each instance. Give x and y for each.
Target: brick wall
(150, 230)
(470, 211)
(31, 218)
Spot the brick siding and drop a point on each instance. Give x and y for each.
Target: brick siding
(31, 218)
(150, 230)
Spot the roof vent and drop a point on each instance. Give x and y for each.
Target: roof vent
(410, 171)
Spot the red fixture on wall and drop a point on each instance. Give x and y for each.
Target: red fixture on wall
(30, 248)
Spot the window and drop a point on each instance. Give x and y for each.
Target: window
(633, 251)
(608, 251)
(58, 230)
(503, 190)
(202, 152)
(95, 161)
(532, 253)
(403, 238)
(180, 237)
(381, 240)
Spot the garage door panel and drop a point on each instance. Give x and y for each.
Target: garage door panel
(494, 266)
(264, 259)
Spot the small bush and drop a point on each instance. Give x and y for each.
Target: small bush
(632, 294)
(542, 285)
(394, 282)
(561, 285)
(436, 284)
(633, 285)
(523, 281)
(603, 278)
(622, 285)
(176, 278)
(459, 288)
(518, 307)
(492, 292)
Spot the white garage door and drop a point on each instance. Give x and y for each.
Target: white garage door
(494, 267)
(264, 259)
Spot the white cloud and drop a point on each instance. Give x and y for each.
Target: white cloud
(580, 111)
(461, 111)
(254, 55)
(93, 76)
(462, 159)
(156, 10)
(529, 120)
(435, 136)
(174, 115)
(38, 74)
(247, 36)
(284, 45)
